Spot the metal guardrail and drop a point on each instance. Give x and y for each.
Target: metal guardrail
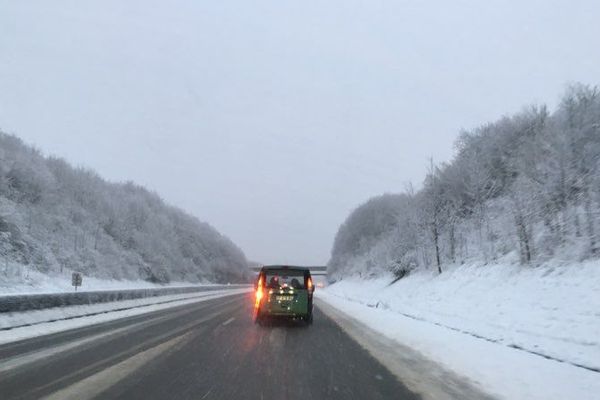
(19, 303)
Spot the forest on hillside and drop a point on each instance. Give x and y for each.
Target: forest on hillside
(523, 189)
(55, 218)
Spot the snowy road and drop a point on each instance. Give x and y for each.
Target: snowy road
(207, 350)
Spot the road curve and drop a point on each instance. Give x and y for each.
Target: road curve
(206, 350)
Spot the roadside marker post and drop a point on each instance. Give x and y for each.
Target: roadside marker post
(76, 279)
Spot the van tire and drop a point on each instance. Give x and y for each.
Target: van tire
(309, 319)
(259, 319)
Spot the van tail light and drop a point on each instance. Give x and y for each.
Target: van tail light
(259, 291)
(309, 284)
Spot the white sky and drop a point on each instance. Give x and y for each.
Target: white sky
(272, 120)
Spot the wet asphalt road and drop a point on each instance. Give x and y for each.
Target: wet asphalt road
(206, 350)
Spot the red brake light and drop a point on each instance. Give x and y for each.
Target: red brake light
(259, 291)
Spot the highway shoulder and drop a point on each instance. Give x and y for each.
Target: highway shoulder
(419, 374)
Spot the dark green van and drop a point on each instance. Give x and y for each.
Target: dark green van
(284, 291)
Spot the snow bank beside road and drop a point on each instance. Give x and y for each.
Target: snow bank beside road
(34, 282)
(42, 322)
(485, 323)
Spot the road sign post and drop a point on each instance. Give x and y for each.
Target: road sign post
(76, 279)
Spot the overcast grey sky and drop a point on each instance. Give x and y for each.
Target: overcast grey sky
(272, 120)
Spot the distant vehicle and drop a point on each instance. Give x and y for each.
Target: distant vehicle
(284, 291)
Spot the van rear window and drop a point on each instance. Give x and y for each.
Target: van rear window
(285, 279)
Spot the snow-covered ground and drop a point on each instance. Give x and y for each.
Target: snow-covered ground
(495, 324)
(41, 322)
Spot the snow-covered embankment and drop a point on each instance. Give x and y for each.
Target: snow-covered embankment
(520, 333)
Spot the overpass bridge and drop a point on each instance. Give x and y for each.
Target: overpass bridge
(315, 270)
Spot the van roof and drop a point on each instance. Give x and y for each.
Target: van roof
(279, 267)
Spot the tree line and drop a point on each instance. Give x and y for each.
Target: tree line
(525, 188)
(55, 217)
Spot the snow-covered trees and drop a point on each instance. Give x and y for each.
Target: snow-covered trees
(54, 216)
(526, 187)
(364, 228)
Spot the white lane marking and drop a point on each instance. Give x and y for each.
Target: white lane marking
(33, 357)
(230, 320)
(92, 386)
